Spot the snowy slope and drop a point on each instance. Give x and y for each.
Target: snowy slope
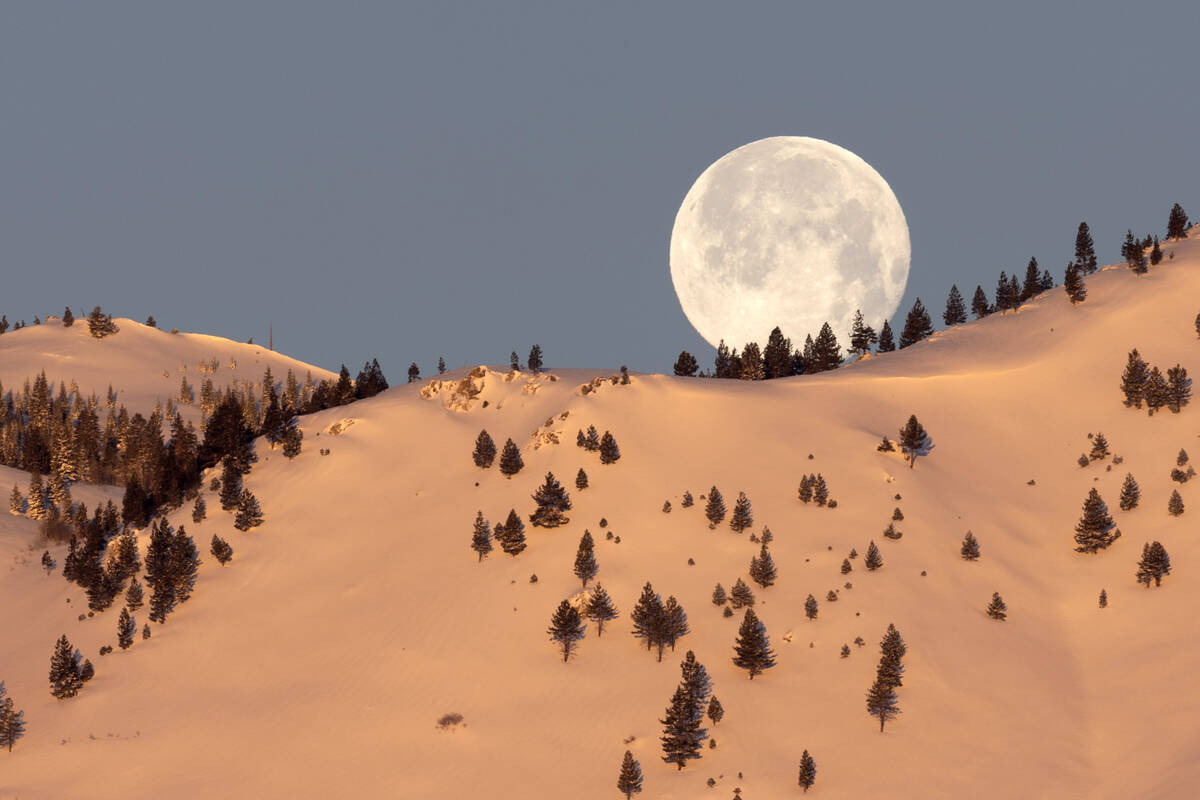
(318, 662)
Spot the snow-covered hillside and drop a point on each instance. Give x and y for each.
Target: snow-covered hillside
(319, 661)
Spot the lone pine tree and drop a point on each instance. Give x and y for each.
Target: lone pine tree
(1131, 494)
(996, 609)
(1099, 448)
(956, 309)
(600, 608)
(1179, 388)
(12, 721)
(1177, 222)
(808, 771)
(970, 547)
(686, 365)
(1033, 281)
(917, 325)
(566, 628)
(1154, 564)
(221, 550)
(535, 359)
(585, 559)
(1175, 504)
(629, 781)
(510, 459)
(1103, 599)
(862, 336)
(609, 452)
(714, 510)
(485, 450)
(1095, 530)
(591, 442)
(125, 628)
(65, 677)
(873, 560)
(249, 513)
(810, 608)
(481, 536)
(762, 568)
(752, 649)
(1085, 250)
(552, 503)
(913, 440)
(1073, 284)
(742, 517)
(581, 480)
(740, 595)
(887, 343)
(511, 534)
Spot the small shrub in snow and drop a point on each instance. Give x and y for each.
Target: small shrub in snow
(449, 720)
(666, 507)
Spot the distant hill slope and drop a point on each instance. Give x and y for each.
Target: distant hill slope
(318, 663)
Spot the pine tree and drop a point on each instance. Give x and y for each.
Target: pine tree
(1175, 504)
(682, 734)
(293, 438)
(687, 501)
(820, 489)
(510, 459)
(552, 501)
(970, 547)
(805, 492)
(827, 353)
(629, 782)
(715, 712)
(675, 625)
(808, 771)
(534, 361)
(846, 568)
(231, 485)
(862, 336)
(1177, 222)
(585, 559)
(740, 595)
(886, 343)
(125, 629)
(1155, 393)
(751, 364)
(810, 608)
(481, 537)
(715, 508)
(742, 517)
(65, 678)
(600, 608)
(16, 501)
(146, 631)
(873, 560)
(1073, 284)
(12, 721)
(718, 596)
(68, 319)
(686, 365)
(511, 535)
(881, 702)
(762, 568)
(249, 513)
(609, 452)
(917, 325)
(1154, 565)
(1085, 251)
(752, 650)
(722, 366)
(514, 361)
(1099, 448)
(996, 609)
(184, 565)
(581, 480)
(648, 617)
(956, 309)
(133, 595)
(1133, 379)
(777, 355)
(1033, 281)
(414, 372)
(566, 627)
(441, 365)
(1179, 388)
(1103, 599)
(1136, 259)
(979, 303)
(1095, 530)
(101, 324)
(1130, 493)
(1156, 253)
(221, 550)
(199, 510)
(485, 450)
(913, 439)
(591, 442)
(37, 497)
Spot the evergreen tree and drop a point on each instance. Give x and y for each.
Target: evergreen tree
(873, 560)
(1154, 565)
(1155, 393)
(1130, 493)
(125, 629)
(1085, 251)
(514, 362)
(714, 510)
(511, 535)
(846, 568)
(37, 497)
(1047, 280)
(742, 517)
(1133, 379)
(881, 702)
(535, 359)
(1156, 254)
(810, 608)
(585, 559)
(552, 501)
(65, 678)
(101, 324)
(1177, 222)
(723, 363)
(1095, 530)
(68, 319)
(820, 489)
(600, 608)
(199, 510)
(629, 781)
(649, 617)
(686, 365)
(777, 355)
(1136, 259)
(581, 480)
(1073, 284)
(133, 595)
(1033, 281)
(687, 501)
(591, 442)
(752, 650)
(979, 303)
(1103, 599)
(675, 625)
(917, 325)
(913, 439)
(1099, 448)
(231, 485)
(485, 450)
(750, 365)
(715, 712)
(956, 309)
(682, 734)
(996, 609)
(740, 595)
(510, 459)
(221, 550)
(249, 513)
(566, 627)
(146, 631)
(1175, 504)
(481, 538)
(970, 547)
(184, 565)
(808, 771)
(886, 343)
(12, 721)
(16, 501)
(862, 336)
(805, 492)
(762, 568)
(718, 595)
(1179, 388)
(1005, 298)
(414, 372)
(827, 353)
(609, 452)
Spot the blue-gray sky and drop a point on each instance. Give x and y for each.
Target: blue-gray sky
(409, 180)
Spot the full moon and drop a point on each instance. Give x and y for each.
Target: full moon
(788, 231)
